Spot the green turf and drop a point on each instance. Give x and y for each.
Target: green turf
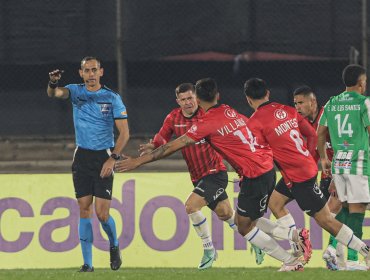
(263, 273)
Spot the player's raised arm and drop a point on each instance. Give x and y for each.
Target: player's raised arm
(53, 90)
(159, 153)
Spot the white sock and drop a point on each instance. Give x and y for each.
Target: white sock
(266, 225)
(265, 242)
(274, 229)
(347, 238)
(231, 222)
(200, 225)
(287, 221)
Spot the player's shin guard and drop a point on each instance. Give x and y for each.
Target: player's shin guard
(274, 229)
(287, 221)
(262, 240)
(86, 239)
(200, 225)
(110, 229)
(354, 222)
(347, 238)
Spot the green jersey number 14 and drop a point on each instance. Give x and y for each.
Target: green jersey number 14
(344, 127)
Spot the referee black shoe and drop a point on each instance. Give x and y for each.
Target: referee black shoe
(115, 258)
(86, 268)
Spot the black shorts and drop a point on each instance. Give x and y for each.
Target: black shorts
(307, 194)
(324, 186)
(212, 187)
(254, 195)
(86, 168)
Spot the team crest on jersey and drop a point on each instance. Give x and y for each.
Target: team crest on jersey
(280, 114)
(105, 109)
(230, 114)
(193, 129)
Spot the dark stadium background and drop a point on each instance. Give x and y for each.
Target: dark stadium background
(163, 43)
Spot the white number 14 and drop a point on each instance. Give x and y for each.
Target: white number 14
(342, 125)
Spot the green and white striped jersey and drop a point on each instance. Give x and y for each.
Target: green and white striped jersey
(347, 117)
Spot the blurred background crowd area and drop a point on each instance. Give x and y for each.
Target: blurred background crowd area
(149, 47)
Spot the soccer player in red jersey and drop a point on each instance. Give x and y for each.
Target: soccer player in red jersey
(226, 131)
(298, 167)
(207, 171)
(306, 104)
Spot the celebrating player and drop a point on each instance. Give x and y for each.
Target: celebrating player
(298, 167)
(207, 171)
(227, 132)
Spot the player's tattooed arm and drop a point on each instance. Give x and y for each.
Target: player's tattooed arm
(129, 163)
(171, 147)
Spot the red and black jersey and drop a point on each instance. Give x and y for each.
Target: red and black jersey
(281, 127)
(200, 158)
(227, 132)
(329, 149)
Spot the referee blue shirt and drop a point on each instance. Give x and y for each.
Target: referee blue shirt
(94, 113)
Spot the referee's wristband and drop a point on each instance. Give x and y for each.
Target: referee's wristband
(52, 84)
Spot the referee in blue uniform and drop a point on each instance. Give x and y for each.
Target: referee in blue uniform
(96, 109)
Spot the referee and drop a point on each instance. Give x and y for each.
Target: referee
(96, 109)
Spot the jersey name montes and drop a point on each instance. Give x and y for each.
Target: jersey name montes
(286, 126)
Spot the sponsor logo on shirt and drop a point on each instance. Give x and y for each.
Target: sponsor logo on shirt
(316, 190)
(345, 144)
(180, 125)
(343, 160)
(345, 97)
(218, 193)
(263, 203)
(202, 141)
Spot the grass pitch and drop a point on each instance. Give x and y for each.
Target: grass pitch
(263, 273)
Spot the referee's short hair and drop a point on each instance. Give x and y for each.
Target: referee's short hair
(88, 58)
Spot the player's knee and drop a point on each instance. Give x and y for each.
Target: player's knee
(278, 211)
(85, 212)
(244, 227)
(102, 217)
(190, 208)
(224, 213)
(325, 219)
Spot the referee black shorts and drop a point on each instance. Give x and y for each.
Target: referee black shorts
(86, 168)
